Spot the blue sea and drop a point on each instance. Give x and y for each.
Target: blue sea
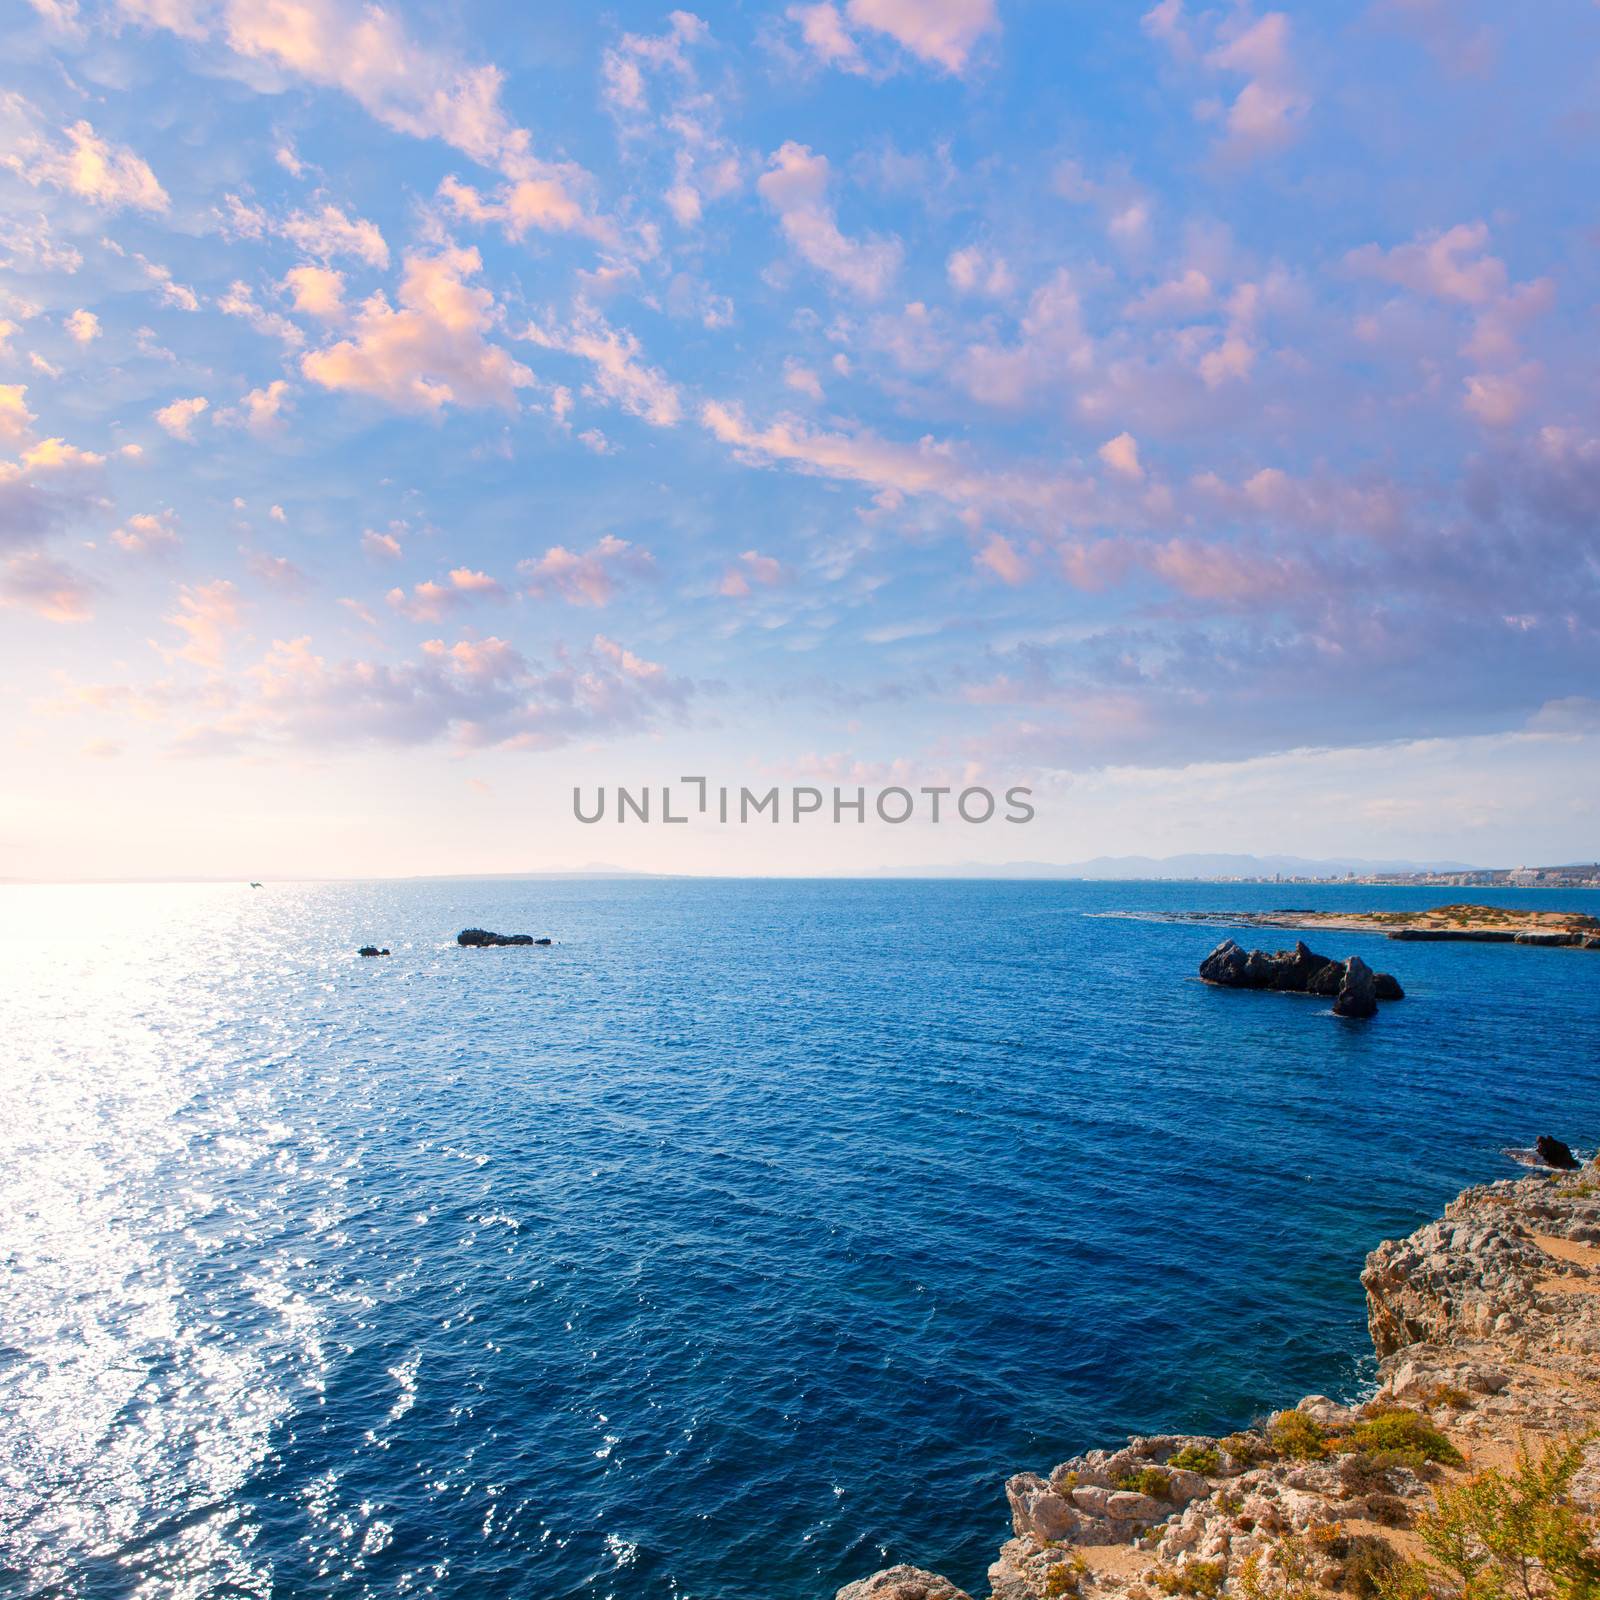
(740, 1243)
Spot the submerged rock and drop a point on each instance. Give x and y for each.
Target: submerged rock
(478, 938)
(371, 950)
(1301, 971)
(1554, 1153)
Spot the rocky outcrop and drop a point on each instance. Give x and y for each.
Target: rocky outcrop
(371, 950)
(1358, 992)
(1354, 987)
(902, 1583)
(478, 938)
(1487, 1325)
(1554, 1153)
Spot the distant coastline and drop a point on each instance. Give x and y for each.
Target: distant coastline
(1101, 869)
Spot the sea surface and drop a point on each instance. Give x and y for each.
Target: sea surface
(740, 1243)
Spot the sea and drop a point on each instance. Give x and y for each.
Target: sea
(739, 1243)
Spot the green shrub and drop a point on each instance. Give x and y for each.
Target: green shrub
(1405, 1434)
(1506, 1536)
(1202, 1579)
(1063, 1577)
(1298, 1437)
(1204, 1458)
(1147, 1480)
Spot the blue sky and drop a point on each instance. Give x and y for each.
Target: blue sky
(408, 413)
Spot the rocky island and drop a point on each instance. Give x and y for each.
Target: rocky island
(1354, 987)
(1472, 1471)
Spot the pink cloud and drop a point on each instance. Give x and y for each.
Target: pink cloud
(795, 186)
(48, 588)
(1001, 558)
(751, 568)
(589, 578)
(432, 602)
(433, 351)
(208, 617)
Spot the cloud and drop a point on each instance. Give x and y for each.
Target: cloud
(380, 546)
(432, 351)
(705, 166)
(1452, 265)
(240, 302)
(1001, 558)
(207, 616)
(1269, 109)
(146, 533)
(1122, 456)
(619, 376)
(83, 327)
(365, 51)
(179, 418)
(432, 602)
(1187, 295)
(317, 292)
(56, 455)
(261, 410)
(328, 234)
(477, 693)
(589, 578)
(939, 33)
(1498, 399)
(798, 376)
(48, 588)
(825, 35)
(624, 65)
(795, 185)
(108, 175)
(974, 271)
(1051, 347)
(15, 417)
(279, 572)
(751, 568)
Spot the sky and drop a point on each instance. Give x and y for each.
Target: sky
(410, 414)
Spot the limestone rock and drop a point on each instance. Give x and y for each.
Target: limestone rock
(902, 1583)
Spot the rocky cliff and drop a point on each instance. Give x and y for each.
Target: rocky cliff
(1487, 1326)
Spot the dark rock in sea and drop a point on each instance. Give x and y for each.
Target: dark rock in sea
(478, 938)
(1358, 994)
(371, 950)
(1225, 965)
(1301, 971)
(1328, 980)
(542, 941)
(1554, 1153)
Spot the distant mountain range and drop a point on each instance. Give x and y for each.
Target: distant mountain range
(1184, 866)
